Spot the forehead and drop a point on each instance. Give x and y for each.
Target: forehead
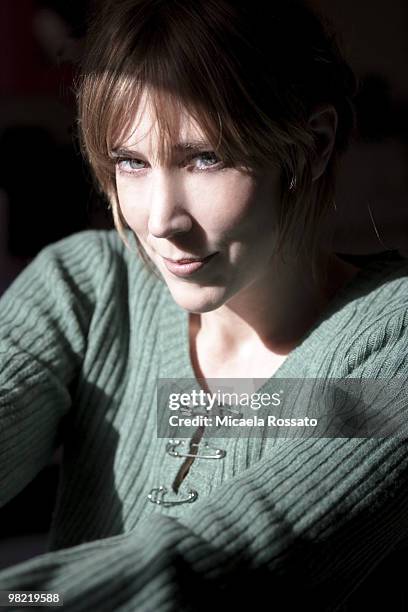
(145, 131)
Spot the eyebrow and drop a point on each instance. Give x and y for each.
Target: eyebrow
(193, 145)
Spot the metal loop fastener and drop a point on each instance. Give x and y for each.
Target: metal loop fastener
(156, 497)
(217, 453)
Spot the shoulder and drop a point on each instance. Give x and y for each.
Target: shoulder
(84, 248)
(89, 266)
(96, 255)
(381, 291)
(377, 320)
(379, 288)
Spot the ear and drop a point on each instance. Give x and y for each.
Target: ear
(323, 122)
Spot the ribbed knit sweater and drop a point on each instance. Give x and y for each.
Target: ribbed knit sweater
(85, 332)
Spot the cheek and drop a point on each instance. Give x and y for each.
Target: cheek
(229, 205)
(245, 210)
(131, 207)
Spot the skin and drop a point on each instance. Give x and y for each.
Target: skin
(244, 305)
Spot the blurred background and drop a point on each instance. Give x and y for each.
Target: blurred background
(46, 191)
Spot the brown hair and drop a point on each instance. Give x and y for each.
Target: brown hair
(250, 79)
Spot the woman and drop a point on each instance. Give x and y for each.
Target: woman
(214, 132)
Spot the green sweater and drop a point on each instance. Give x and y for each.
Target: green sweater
(85, 331)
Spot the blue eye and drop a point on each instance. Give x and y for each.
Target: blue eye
(128, 162)
(208, 155)
(131, 165)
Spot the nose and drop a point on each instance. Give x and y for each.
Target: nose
(167, 214)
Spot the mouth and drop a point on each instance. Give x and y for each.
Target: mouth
(186, 266)
(188, 259)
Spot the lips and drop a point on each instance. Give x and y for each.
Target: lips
(188, 259)
(185, 267)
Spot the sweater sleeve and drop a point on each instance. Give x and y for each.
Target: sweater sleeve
(43, 329)
(304, 526)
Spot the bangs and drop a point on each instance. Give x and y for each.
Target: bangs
(168, 111)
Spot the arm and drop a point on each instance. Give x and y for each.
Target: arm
(282, 530)
(305, 525)
(43, 328)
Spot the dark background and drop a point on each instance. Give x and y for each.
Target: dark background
(46, 192)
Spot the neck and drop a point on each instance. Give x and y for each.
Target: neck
(275, 311)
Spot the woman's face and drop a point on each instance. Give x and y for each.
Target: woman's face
(193, 208)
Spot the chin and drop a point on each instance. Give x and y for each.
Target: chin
(197, 299)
